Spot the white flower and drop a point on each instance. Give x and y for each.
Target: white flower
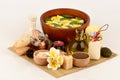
(53, 63)
(54, 52)
(55, 60)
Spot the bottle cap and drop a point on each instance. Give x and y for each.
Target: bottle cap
(58, 43)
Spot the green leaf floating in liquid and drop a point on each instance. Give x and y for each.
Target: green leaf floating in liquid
(56, 25)
(67, 16)
(47, 19)
(75, 22)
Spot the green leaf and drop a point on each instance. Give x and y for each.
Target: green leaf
(78, 18)
(47, 19)
(63, 19)
(56, 25)
(67, 16)
(69, 26)
(75, 22)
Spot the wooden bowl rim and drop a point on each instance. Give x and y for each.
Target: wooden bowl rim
(87, 21)
(37, 52)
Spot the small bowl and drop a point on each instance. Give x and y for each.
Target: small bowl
(80, 59)
(61, 34)
(40, 57)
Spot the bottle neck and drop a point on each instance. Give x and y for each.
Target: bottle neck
(33, 25)
(80, 36)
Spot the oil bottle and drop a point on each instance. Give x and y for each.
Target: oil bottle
(78, 43)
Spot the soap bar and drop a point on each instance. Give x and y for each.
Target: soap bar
(94, 49)
(68, 62)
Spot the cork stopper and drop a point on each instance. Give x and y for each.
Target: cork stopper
(32, 18)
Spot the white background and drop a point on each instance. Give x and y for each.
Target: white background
(14, 20)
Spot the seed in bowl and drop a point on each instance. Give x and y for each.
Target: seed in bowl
(64, 21)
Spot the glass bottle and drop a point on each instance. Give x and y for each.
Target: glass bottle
(59, 45)
(77, 44)
(37, 39)
(32, 26)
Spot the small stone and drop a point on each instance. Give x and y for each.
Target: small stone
(106, 52)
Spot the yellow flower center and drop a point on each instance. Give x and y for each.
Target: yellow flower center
(53, 53)
(54, 64)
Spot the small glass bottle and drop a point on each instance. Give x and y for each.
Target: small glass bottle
(77, 44)
(59, 45)
(38, 40)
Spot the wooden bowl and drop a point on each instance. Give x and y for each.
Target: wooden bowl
(80, 59)
(60, 33)
(40, 60)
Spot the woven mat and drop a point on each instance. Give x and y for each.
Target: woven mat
(62, 72)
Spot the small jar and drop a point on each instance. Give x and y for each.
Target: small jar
(81, 59)
(59, 45)
(40, 57)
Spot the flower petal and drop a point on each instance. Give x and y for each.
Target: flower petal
(48, 66)
(54, 52)
(54, 68)
(53, 63)
(48, 59)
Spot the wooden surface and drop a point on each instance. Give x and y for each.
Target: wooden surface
(62, 72)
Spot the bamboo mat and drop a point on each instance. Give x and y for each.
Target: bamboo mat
(62, 72)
